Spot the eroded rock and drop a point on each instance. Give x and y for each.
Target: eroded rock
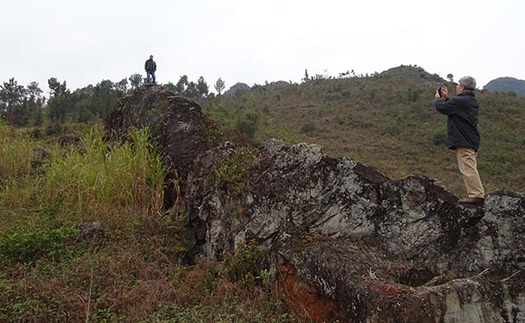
(177, 126)
(379, 241)
(357, 246)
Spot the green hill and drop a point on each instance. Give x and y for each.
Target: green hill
(506, 84)
(384, 120)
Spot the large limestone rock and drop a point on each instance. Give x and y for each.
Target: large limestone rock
(349, 243)
(381, 250)
(178, 127)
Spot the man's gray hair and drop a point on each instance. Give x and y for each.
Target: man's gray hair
(468, 82)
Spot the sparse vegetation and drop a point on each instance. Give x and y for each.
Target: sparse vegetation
(233, 170)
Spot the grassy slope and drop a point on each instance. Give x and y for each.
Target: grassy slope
(387, 122)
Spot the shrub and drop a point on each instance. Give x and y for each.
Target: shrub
(248, 125)
(308, 128)
(235, 168)
(245, 263)
(28, 247)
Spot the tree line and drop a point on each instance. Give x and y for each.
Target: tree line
(22, 106)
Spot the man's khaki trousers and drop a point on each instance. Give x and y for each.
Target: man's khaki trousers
(469, 169)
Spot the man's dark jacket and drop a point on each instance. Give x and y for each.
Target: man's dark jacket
(150, 65)
(462, 114)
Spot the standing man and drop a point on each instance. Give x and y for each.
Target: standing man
(150, 66)
(463, 134)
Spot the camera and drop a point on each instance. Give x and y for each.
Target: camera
(439, 89)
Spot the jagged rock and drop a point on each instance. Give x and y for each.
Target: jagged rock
(177, 126)
(379, 241)
(88, 231)
(350, 244)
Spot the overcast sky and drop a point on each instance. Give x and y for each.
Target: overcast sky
(85, 42)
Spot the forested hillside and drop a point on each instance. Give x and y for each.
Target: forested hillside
(384, 120)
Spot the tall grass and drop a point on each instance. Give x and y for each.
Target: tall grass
(103, 178)
(16, 150)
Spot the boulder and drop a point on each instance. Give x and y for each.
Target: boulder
(177, 126)
(380, 250)
(348, 243)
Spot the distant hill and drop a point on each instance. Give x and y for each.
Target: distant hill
(506, 84)
(238, 87)
(412, 71)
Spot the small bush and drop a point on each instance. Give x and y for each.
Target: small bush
(235, 168)
(245, 263)
(249, 124)
(28, 247)
(308, 128)
(266, 109)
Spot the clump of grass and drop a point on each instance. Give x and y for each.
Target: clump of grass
(16, 150)
(105, 178)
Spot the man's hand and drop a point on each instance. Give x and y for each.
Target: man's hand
(444, 93)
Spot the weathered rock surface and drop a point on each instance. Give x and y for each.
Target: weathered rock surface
(177, 125)
(352, 244)
(88, 231)
(370, 244)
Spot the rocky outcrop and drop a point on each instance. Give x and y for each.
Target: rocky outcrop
(349, 243)
(177, 125)
(178, 129)
(381, 250)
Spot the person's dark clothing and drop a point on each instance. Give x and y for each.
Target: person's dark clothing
(150, 65)
(462, 120)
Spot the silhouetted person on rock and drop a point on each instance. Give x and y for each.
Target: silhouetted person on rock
(150, 66)
(463, 134)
